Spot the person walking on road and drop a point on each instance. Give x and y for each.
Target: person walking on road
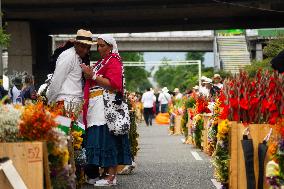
(148, 100)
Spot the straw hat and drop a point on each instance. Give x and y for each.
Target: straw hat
(216, 76)
(196, 87)
(85, 37)
(165, 90)
(208, 80)
(176, 90)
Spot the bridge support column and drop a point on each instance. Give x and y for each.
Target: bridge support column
(29, 50)
(258, 52)
(20, 56)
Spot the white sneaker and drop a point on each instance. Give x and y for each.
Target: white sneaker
(92, 181)
(105, 182)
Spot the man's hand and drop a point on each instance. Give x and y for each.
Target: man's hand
(87, 70)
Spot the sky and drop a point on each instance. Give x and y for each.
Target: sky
(157, 56)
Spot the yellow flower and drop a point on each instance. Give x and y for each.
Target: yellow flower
(272, 169)
(223, 129)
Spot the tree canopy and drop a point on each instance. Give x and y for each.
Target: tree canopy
(272, 49)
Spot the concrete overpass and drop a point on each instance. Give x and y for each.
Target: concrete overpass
(31, 21)
(176, 41)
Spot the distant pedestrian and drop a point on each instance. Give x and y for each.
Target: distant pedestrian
(164, 99)
(15, 91)
(148, 100)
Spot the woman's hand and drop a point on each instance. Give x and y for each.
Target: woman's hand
(87, 70)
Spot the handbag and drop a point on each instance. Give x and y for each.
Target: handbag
(116, 110)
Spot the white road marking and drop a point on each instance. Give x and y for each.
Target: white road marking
(196, 155)
(216, 184)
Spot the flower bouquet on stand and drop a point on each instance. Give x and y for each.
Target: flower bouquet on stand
(221, 157)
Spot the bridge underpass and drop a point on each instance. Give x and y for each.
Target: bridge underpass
(31, 22)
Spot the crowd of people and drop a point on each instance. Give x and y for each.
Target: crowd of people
(155, 101)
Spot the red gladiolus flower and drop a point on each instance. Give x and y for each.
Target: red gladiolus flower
(234, 102)
(244, 103)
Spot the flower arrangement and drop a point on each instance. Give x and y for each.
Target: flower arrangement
(202, 105)
(212, 126)
(197, 128)
(188, 103)
(275, 167)
(36, 122)
(257, 100)
(220, 157)
(9, 121)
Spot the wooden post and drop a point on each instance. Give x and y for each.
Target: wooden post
(177, 126)
(27, 158)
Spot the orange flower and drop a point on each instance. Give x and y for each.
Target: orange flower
(272, 148)
(36, 122)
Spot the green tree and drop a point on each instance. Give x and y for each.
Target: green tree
(136, 77)
(183, 77)
(272, 49)
(4, 38)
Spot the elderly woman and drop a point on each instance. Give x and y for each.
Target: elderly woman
(103, 148)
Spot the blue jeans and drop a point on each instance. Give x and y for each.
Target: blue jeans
(164, 108)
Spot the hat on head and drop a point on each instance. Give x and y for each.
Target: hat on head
(165, 90)
(196, 87)
(203, 78)
(85, 37)
(208, 80)
(176, 90)
(217, 76)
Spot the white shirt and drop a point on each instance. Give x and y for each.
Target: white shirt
(219, 85)
(16, 92)
(204, 91)
(164, 98)
(178, 96)
(148, 99)
(66, 82)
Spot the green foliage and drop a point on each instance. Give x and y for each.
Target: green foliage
(136, 77)
(197, 134)
(4, 38)
(188, 103)
(221, 162)
(272, 49)
(133, 135)
(183, 77)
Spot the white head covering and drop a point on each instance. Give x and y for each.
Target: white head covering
(110, 40)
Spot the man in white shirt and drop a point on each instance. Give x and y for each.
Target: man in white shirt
(202, 89)
(66, 84)
(164, 99)
(148, 100)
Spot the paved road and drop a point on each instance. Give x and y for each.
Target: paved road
(164, 162)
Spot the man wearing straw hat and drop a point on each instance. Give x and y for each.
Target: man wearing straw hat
(66, 83)
(164, 99)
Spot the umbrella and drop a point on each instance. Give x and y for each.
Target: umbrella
(248, 156)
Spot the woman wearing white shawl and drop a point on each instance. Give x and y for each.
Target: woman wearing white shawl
(103, 148)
